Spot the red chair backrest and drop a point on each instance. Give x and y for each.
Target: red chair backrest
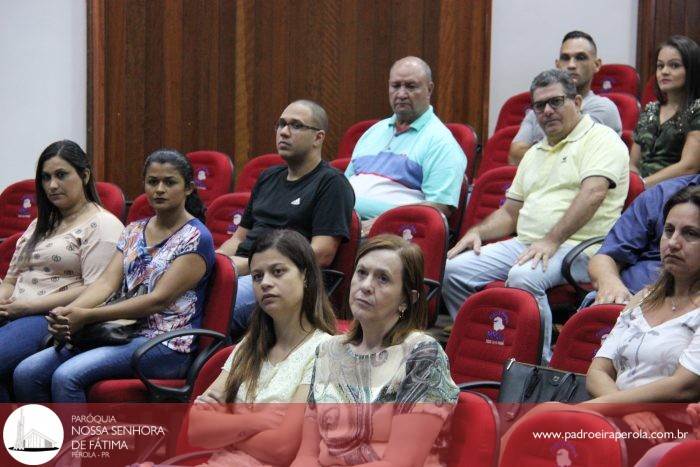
(475, 434)
(140, 209)
(648, 95)
(495, 152)
(221, 295)
(252, 170)
(525, 450)
(213, 174)
(615, 77)
(425, 226)
(636, 187)
(341, 164)
(457, 216)
(513, 110)
(628, 106)
(627, 138)
(17, 207)
(224, 214)
(582, 336)
(686, 453)
(349, 139)
(344, 262)
(493, 326)
(112, 198)
(488, 194)
(7, 250)
(468, 140)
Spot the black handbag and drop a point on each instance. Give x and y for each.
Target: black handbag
(522, 383)
(117, 332)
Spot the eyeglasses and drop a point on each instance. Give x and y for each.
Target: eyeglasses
(554, 102)
(294, 125)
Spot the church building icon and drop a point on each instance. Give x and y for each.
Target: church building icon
(32, 440)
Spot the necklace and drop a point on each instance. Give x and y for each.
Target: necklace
(674, 304)
(296, 346)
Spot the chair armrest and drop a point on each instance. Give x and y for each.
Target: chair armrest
(332, 279)
(161, 393)
(571, 257)
(472, 385)
(433, 288)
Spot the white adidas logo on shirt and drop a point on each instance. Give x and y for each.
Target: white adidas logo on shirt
(296, 202)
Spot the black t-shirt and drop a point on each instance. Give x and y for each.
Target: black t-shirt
(319, 203)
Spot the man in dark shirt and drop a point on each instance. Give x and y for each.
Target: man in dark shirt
(306, 195)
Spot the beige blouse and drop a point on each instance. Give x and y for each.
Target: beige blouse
(70, 259)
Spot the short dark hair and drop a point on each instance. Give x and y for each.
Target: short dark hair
(690, 55)
(318, 113)
(581, 35)
(554, 76)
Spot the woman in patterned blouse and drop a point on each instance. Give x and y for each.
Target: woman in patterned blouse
(157, 277)
(381, 393)
(63, 250)
(667, 137)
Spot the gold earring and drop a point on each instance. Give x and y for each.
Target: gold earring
(402, 310)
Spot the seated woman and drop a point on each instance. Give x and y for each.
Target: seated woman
(157, 277)
(667, 137)
(653, 352)
(273, 362)
(383, 392)
(62, 251)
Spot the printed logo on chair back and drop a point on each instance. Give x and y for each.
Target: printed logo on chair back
(601, 335)
(502, 201)
(236, 217)
(563, 453)
(407, 232)
(200, 179)
(499, 319)
(25, 206)
(608, 84)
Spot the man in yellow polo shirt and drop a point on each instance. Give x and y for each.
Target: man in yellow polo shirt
(569, 187)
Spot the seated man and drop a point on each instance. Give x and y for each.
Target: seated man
(410, 157)
(306, 195)
(569, 187)
(578, 56)
(629, 259)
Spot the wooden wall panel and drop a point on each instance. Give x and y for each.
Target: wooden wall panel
(215, 74)
(659, 19)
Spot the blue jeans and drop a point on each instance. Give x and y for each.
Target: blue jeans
(244, 306)
(18, 340)
(65, 375)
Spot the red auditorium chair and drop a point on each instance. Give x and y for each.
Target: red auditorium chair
(495, 153)
(488, 194)
(17, 207)
(513, 111)
(648, 95)
(341, 164)
(686, 454)
(469, 142)
(492, 327)
(215, 328)
(252, 170)
(339, 273)
(112, 198)
(454, 222)
(224, 214)
(523, 449)
(582, 336)
(7, 250)
(213, 174)
(627, 138)
(427, 227)
(475, 432)
(349, 139)
(628, 106)
(615, 77)
(140, 209)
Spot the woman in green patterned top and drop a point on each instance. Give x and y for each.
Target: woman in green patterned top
(667, 137)
(382, 393)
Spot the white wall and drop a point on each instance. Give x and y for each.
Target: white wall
(526, 35)
(43, 80)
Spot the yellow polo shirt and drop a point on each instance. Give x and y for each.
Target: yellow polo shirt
(549, 178)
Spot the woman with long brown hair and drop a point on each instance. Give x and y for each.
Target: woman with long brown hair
(273, 362)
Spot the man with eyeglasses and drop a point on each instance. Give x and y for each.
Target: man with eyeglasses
(578, 56)
(410, 157)
(569, 187)
(306, 195)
